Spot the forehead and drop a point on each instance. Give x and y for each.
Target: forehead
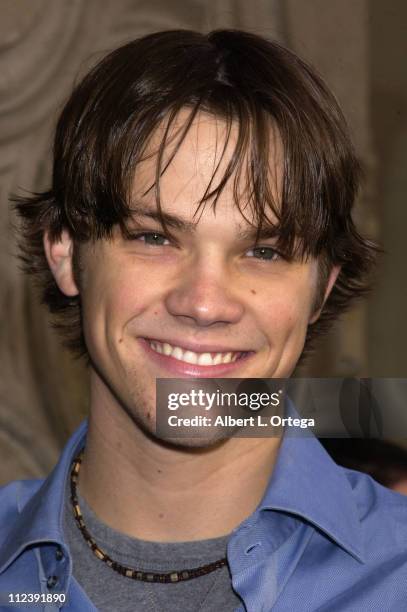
(194, 163)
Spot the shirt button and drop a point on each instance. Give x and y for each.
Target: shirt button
(59, 555)
(52, 581)
(251, 548)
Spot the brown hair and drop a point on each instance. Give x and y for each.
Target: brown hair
(105, 127)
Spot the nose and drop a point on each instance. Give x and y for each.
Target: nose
(203, 297)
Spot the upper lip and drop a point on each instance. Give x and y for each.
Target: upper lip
(200, 348)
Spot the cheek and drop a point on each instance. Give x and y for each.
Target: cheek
(287, 321)
(110, 299)
(284, 312)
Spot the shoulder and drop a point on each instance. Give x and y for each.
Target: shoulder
(13, 497)
(17, 493)
(382, 512)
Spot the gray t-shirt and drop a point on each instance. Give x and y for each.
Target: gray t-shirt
(109, 591)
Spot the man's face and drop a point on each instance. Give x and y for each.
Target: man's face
(208, 304)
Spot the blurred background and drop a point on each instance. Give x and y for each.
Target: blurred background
(359, 47)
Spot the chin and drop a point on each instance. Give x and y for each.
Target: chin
(202, 438)
(197, 444)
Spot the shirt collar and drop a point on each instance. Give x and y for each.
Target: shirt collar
(40, 519)
(307, 483)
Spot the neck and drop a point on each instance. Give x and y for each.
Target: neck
(153, 491)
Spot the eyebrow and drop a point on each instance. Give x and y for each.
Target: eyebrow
(168, 218)
(181, 224)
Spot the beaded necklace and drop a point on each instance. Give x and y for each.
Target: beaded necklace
(128, 572)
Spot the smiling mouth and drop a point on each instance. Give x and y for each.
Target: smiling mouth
(192, 357)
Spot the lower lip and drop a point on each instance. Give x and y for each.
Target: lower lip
(180, 368)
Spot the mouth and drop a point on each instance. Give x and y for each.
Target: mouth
(209, 361)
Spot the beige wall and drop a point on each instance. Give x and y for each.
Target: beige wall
(44, 44)
(387, 337)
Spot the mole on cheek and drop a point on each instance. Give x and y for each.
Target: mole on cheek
(253, 291)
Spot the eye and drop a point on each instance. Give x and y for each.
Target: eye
(264, 253)
(151, 238)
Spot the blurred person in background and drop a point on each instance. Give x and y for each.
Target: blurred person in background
(383, 460)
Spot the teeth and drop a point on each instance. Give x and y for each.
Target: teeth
(204, 359)
(190, 357)
(167, 348)
(177, 353)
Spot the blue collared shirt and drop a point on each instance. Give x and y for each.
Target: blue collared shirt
(322, 539)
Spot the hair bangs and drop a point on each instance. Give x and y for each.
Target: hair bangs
(248, 164)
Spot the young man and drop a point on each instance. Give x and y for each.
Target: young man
(198, 225)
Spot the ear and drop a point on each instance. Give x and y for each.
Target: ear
(333, 275)
(59, 256)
